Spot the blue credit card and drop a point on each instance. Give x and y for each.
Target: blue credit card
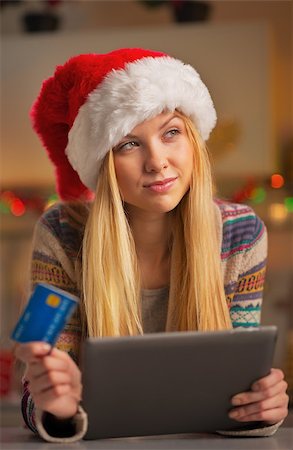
(45, 315)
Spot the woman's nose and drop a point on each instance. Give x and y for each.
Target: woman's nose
(155, 158)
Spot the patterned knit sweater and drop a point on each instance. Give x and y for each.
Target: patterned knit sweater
(56, 260)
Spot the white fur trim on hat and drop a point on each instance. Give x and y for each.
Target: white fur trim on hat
(126, 98)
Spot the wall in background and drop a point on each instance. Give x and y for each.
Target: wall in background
(278, 14)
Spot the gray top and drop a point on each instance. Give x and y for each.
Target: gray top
(154, 309)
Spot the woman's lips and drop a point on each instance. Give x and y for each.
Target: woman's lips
(162, 185)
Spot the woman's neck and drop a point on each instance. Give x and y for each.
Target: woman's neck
(152, 234)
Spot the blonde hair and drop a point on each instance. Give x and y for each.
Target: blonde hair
(109, 266)
(197, 297)
(110, 276)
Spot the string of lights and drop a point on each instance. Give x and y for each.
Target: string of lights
(255, 192)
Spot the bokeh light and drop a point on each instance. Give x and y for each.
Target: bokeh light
(277, 181)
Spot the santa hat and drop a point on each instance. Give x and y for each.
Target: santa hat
(94, 100)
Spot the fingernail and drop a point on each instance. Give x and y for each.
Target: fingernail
(46, 347)
(236, 401)
(233, 414)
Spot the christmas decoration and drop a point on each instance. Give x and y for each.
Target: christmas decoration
(18, 204)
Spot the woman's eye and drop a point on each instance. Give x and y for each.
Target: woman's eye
(171, 133)
(127, 146)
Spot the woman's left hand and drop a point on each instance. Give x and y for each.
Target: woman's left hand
(267, 401)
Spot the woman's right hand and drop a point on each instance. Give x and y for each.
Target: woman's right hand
(54, 378)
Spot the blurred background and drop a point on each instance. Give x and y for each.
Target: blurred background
(243, 51)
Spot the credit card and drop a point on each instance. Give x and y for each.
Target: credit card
(45, 315)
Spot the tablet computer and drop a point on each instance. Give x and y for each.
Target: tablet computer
(165, 383)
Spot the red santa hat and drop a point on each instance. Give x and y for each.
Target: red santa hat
(92, 101)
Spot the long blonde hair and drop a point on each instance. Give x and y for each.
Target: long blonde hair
(110, 275)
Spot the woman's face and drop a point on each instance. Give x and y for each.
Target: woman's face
(154, 164)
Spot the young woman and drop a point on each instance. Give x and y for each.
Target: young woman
(139, 237)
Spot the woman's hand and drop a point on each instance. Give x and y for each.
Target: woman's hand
(54, 378)
(267, 401)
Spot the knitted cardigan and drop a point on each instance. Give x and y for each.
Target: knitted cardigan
(56, 258)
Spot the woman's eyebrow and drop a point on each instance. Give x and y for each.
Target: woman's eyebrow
(168, 120)
(129, 136)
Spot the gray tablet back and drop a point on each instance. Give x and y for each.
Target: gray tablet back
(168, 383)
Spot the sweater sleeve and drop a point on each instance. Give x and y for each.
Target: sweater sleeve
(246, 304)
(245, 255)
(265, 431)
(54, 259)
